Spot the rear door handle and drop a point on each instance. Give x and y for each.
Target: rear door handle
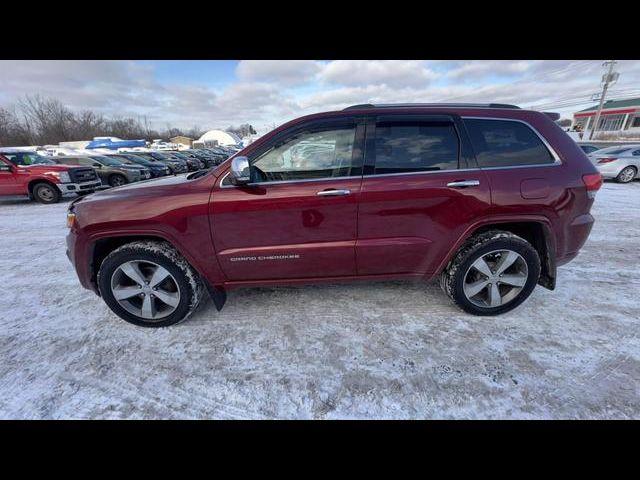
(463, 183)
(333, 193)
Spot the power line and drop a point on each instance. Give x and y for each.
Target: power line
(527, 79)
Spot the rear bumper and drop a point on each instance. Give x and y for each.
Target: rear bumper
(610, 170)
(577, 234)
(78, 187)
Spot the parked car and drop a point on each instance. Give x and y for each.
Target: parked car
(488, 199)
(111, 171)
(210, 159)
(588, 149)
(157, 169)
(193, 164)
(620, 163)
(193, 160)
(27, 173)
(175, 164)
(213, 159)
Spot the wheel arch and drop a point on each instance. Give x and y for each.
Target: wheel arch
(103, 246)
(32, 183)
(537, 232)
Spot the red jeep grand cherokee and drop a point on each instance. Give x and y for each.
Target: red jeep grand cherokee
(488, 198)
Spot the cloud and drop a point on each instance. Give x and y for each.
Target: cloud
(268, 92)
(282, 72)
(394, 73)
(475, 69)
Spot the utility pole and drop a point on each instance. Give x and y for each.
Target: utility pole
(609, 77)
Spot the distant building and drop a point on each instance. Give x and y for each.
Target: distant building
(617, 116)
(217, 137)
(182, 140)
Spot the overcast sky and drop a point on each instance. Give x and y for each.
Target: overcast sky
(218, 93)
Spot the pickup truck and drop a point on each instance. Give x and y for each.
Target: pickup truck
(27, 173)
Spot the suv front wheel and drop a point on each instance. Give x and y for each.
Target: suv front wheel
(492, 273)
(149, 284)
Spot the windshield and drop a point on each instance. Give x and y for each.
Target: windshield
(158, 156)
(136, 159)
(123, 159)
(27, 158)
(110, 162)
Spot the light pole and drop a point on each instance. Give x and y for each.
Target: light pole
(609, 77)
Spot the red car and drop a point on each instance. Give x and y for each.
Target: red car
(489, 199)
(26, 173)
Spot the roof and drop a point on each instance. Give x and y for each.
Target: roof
(423, 105)
(630, 102)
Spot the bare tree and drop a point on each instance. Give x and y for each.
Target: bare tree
(36, 120)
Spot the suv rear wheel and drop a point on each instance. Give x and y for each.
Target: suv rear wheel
(46, 193)
(149, 284)
(492, 273)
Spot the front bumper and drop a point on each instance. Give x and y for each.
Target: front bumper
(78, 187)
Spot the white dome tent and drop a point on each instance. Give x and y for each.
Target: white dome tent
(218, 137)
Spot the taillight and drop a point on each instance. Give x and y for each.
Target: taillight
(606, 160)
(593, 182)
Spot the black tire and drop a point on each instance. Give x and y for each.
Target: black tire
(46, 193)
(188, 281)
(117, 180)
(624, 176)
(453, 277)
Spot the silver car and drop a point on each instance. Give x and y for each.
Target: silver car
(622, 163)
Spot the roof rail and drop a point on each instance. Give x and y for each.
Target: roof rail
(365, 106)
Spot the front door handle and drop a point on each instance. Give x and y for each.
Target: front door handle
(333, 193)
(463, 183)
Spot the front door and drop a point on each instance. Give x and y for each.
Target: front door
(8, 182)
(297, 219)
(421, 191)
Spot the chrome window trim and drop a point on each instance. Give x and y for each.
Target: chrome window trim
(279, 182)
(557, 161)
(554, 154)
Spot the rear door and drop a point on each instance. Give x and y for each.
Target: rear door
(298, 218)
(421, 190)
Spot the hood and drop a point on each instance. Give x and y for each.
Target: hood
(141, 189)
(41, 168)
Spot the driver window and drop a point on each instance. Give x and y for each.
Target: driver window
(308, 155)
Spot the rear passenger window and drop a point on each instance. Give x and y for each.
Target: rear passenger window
(415, 147)
(505, 143)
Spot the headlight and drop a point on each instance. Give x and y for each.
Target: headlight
(62, 176)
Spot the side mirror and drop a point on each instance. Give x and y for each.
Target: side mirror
(240, 171)
(97, 165)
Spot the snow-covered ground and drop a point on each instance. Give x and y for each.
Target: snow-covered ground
(380, 350)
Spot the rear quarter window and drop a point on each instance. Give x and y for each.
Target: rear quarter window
(506, 143)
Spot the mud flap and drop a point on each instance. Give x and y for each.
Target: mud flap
(218, 296)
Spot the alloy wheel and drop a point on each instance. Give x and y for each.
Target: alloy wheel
(627, 174)
(145, 289)
(495, 279)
